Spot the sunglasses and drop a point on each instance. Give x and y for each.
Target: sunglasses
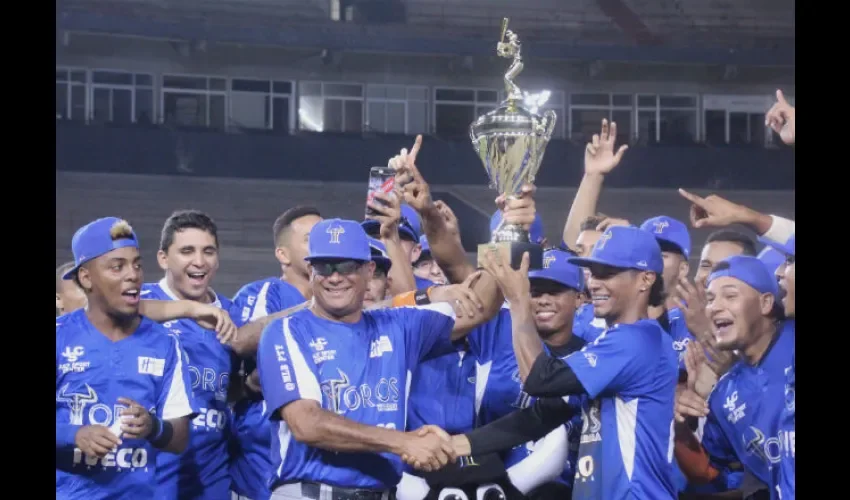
(328, 267)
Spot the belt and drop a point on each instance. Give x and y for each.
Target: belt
(318, 491)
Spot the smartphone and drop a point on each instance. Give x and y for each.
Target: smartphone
(381, 180)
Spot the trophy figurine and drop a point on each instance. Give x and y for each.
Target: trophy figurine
(511, 140)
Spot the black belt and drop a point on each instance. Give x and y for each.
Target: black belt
(312, 491)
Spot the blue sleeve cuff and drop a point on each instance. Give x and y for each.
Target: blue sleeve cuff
(65, 434)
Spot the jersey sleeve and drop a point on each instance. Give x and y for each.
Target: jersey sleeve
(281, 296)
(175, 398)
(250, 304)
(485, 340)
(286, 374)
(427, 330)
(608, 363)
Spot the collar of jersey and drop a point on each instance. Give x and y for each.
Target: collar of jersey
(163, 283)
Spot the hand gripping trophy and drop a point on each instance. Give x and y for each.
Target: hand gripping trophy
(510, 141)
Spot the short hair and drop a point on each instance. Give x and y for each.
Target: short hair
(733, 236)
(656, 293)
(286, 219)
(669, 246)
(60, 272)
(591, 222)
(186, 219)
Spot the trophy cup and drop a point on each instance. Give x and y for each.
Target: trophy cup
(511, 140)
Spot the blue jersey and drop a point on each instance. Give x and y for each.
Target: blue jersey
(361, 371)
(265, 297)
(586, 325)
(785, 484)
(201, 471)
(442, 392)
(92, 373)
(499, 389)
(251, 438)
(423, 283)
(626, 450)
(680, 333)
(743, 420)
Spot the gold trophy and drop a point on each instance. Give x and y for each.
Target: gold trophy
(511, 140)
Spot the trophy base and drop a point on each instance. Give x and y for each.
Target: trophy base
(514, 250)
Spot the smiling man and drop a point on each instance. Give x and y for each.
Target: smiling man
(742, 414)
(188, 253)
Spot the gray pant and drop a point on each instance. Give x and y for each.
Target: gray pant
(237, 496)
(293, 492)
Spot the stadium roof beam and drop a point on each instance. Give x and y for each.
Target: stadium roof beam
(629, 22)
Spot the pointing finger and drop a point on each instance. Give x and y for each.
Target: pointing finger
(696, 200)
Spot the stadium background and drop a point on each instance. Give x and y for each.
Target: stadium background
(244, 108)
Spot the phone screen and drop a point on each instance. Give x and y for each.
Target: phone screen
(381, 180)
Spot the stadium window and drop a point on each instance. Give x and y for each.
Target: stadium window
(737, 120)
(260, 104)
(456, 108)
(121, 97)
(71, 98)
(194, 101)
(389, 109)
(588, 110)
(330, 107)
(667, 119)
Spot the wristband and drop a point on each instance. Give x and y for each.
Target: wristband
(414, 298)
(156, 428)
(163, 437)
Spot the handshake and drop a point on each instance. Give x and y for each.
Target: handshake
(430, 448)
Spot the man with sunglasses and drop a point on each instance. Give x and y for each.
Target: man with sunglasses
(335, 376)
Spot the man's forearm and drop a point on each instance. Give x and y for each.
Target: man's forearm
(584, 205)
(526, 341)
(248, 336)
(528, 424)
(165, 310)
(329, 431)
(179, 435)
(491, 298)
(401, 272)
(446, 248)
(692, 458)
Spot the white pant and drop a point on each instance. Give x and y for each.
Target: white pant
(237, 496)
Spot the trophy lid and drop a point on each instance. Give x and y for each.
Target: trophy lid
(509, 119)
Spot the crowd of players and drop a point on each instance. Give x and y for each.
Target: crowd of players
(382, 363)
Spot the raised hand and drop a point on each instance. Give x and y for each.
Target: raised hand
(463, 298)
(599, 155)
(691, 300)
(514, 284)
(416, 191)
(689, 404)
(714, 211)
(449, 217)
(387, 207)
(781, 118)
(96, 440)
(519, 210)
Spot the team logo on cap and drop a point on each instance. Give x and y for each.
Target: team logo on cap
(660, 226)
(548, 260)
(335, 232)
(603, 240)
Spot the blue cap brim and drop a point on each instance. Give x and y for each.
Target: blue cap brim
(333, 257)
(540, 275)
(116, 244)
(589, 261)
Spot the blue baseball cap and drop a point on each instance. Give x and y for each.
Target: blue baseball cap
(410, 225)
(338, 239)
(670, 230)
(771, 258)
(750, 270)
(787, 248)
(95, 239)
(535, 232)
(557, 268)
(379, 254)
(423, 243)
(625, 247)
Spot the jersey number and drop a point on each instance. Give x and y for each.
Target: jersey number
(585, 467)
